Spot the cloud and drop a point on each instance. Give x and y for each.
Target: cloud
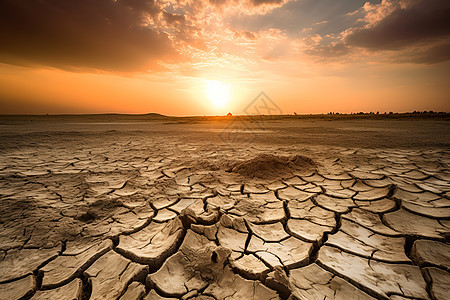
(113, 35)
(116, 35)
(393, 26)
(396, 31)
(152, 35)
(296, 17)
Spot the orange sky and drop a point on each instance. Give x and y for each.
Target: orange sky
(211, 57)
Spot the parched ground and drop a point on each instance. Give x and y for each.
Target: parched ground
(161, 210)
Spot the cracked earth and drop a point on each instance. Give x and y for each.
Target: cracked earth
(131, 214)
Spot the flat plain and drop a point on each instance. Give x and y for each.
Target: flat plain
(154, 207)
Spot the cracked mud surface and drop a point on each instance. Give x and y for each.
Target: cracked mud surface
(87, 212)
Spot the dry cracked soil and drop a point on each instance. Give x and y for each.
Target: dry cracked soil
(175, 209)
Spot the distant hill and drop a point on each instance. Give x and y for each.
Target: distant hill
(158, 116)
(87, 118)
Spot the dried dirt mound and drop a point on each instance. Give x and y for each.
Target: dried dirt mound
(99, 209)
(268, 166)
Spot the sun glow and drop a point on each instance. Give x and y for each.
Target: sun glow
(218, 93)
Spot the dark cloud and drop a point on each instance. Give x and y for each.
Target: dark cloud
(322, 17)
(401, 31)
(135, 35)
(421, 21)
(79, 34)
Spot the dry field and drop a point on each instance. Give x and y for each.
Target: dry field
(113, 207)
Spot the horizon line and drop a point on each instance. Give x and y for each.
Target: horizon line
(416, 112)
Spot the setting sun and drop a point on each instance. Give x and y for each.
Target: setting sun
(218, 93)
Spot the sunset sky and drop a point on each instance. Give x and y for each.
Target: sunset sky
(210, 57)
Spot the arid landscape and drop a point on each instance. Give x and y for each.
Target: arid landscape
(224, 149)
(153, 207)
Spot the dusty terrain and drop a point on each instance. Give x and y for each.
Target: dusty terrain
(160, 208)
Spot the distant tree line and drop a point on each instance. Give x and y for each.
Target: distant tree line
(389, 113)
